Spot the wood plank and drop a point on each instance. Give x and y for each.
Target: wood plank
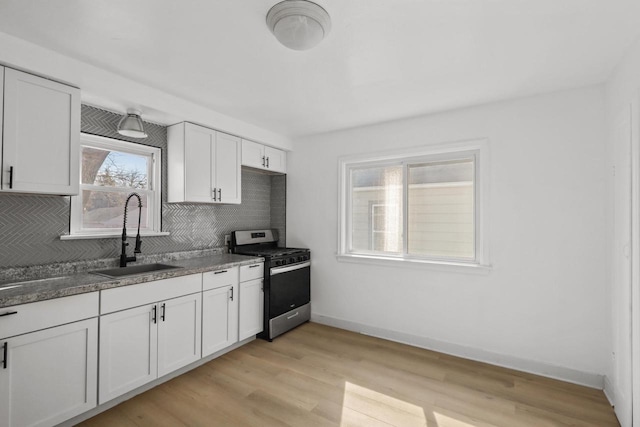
(316, 375)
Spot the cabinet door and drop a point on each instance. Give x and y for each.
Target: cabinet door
(227, 168)
(219, 319)
(179, 332)
(276, 160)
(128, 350)
(41, 135)
(253, 154)
(198, 155)
(50, 375)
(251, 308)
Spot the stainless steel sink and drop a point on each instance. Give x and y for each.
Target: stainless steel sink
(133, 270)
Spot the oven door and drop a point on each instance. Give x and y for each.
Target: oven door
(289, 287)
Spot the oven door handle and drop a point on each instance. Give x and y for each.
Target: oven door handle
(288, 268)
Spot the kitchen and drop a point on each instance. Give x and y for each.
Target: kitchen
(547, 299)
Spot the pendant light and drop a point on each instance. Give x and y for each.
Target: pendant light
(298, 24)
(131, 125)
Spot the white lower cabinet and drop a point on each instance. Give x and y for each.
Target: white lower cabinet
(251, 308)
(179, 333)
(49, 376)
(128, 351)
(143, 343)
(219, 310)
(49, 365)
(251, 301)
(152, 339)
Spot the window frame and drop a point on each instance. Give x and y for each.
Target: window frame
(154, 192)
(479, 149)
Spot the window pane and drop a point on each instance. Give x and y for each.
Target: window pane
(104, 209)
(376, 209)
(441, 209)
(114, 168)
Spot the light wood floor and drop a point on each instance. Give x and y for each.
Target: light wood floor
(321, 376)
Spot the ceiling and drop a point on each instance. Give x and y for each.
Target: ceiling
(383, 60)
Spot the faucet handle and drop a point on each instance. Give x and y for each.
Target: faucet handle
(138, 245)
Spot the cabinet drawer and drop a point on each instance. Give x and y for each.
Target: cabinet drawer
(219, 278)
(145, 293)
(250, 272)
(45, 314)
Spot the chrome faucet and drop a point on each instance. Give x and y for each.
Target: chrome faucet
(124, 259)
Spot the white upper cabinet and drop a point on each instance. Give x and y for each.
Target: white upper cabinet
(262, 157)
(226, 163)
(276, 160)
(204, 165)
(41, 130)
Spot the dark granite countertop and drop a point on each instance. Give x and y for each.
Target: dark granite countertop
(20, 291)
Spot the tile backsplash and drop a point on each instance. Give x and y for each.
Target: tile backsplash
(31, 225)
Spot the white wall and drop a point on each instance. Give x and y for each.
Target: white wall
(622, 90)
(540, 308)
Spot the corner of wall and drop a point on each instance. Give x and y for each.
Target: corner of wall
(609, 391)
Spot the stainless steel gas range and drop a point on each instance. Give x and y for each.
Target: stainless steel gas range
(287, 279)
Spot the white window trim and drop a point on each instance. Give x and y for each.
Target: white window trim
(482, 202)
(75, 229)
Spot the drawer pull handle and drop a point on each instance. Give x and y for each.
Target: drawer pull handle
(8, 313)
(220, 272)
(254, 266)
(154, 313)
(293, 315)
(231, 294)
(164, 309)
(11, 177)
(4, 357)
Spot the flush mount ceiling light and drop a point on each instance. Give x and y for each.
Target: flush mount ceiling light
(131, 125)
(298, 24)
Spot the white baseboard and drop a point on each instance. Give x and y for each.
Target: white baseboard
(531, 366)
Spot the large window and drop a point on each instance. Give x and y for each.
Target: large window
(110, 170)
(424, 206)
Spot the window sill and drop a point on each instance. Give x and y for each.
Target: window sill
(458, 267)
(113, 235)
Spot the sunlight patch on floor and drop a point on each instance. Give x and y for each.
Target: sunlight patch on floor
(381, 407)
(446, 421)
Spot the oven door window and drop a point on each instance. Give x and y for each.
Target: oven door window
(289, 290)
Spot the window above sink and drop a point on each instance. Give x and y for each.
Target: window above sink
(109, 171)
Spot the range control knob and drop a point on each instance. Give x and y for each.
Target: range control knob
(292, 260)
